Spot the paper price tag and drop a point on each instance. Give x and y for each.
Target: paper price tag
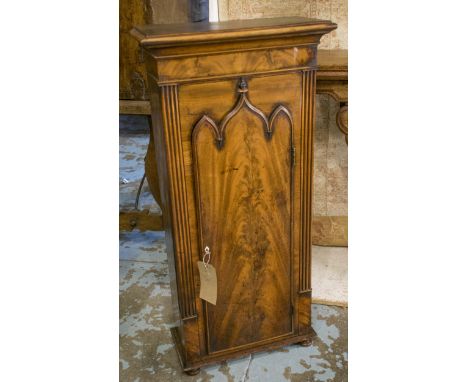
(208, 283)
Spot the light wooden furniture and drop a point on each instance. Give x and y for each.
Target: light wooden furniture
(332, 79)
(232, 108)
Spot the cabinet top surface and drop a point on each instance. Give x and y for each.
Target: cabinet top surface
(333, 60)
(168, 34)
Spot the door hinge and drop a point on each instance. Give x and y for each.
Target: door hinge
(293, 155)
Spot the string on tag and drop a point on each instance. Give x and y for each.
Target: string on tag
(207, 253)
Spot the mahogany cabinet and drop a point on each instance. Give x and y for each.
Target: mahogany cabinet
(233, 117)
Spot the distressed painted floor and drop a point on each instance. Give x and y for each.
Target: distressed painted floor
(133, 142)
(146, 349)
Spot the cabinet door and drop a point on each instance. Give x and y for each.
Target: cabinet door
(243, 167)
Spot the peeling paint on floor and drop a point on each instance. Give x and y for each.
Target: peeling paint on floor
(133, 142)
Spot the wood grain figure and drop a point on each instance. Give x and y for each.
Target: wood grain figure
(233, 118)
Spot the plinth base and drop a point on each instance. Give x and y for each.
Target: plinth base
(194, 367)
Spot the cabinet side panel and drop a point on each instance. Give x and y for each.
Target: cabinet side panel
(177, 207)
(178, 200)
(160, 161)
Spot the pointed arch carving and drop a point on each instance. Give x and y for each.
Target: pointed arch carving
(242, 101)
(214, 128)
(278, 110)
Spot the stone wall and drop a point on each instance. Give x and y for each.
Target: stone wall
(331, 161)
(334, 10)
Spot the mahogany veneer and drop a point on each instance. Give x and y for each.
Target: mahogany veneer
(233, 116)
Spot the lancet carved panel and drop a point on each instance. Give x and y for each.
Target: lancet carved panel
(242, 102)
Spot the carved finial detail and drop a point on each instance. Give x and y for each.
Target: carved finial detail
(243, 87)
